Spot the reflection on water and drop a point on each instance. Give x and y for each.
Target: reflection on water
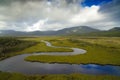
(17, 64)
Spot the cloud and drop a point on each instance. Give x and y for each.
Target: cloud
(30, 15)
(2, 24)
(68, 19)
(46, 24)
(37, 26)
(111, 13)
(87, 14)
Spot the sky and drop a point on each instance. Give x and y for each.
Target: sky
(43, 15)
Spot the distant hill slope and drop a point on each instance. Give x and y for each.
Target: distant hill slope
(76, 30)
(79, 31)
(115, 29)
(65, 31)
(114, 32)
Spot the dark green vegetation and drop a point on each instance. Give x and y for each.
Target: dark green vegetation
(17, 76)
(99, 51)
(9, 45)
(13, 46)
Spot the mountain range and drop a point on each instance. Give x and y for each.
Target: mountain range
(79, 30)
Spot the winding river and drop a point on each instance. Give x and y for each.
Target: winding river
(17, 64)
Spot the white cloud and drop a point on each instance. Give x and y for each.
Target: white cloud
(43, 15)
(2, 25)
(87, 14)
(82, 17)
(37, 26)
(45, 25)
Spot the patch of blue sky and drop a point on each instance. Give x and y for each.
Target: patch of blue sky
(94, 2)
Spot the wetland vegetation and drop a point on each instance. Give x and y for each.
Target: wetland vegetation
(100, 50)
(17, 76)
(9, 46)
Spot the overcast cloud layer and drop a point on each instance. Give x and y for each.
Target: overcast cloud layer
(31, 15)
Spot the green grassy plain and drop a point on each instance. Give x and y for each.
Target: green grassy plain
(99, 51)
(17, 76)
(41, 46)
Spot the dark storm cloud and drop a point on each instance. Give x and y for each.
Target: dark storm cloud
(111, 10)
(8, 2)
(4, 2)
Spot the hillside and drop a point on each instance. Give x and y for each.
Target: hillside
(114, 32)
(79, 31)
(65, 31)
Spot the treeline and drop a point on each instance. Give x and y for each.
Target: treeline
(9, 45)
